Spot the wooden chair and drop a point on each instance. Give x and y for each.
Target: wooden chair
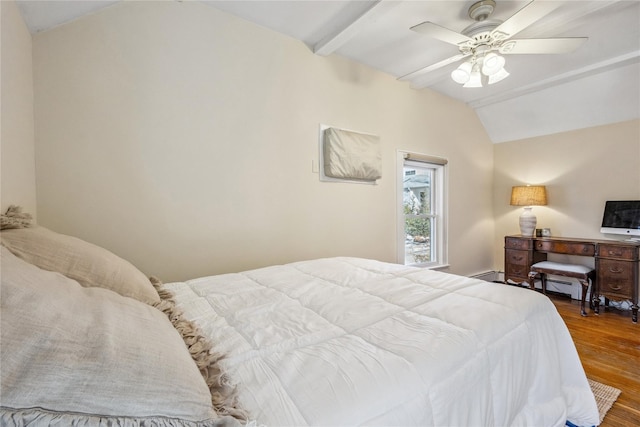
(583, 273)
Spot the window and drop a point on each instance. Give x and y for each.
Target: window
(421, 211)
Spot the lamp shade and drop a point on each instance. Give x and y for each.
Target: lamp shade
(492, 63)
(529, 195)
(462, 73)
(475, 79)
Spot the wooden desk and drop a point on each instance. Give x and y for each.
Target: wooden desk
(616, 264)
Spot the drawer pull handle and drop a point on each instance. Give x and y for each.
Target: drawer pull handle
(615, 270)
(614, 253)
(615, 288)
(518, 258)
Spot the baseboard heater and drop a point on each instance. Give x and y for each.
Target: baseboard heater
(554, 286)
(567, 289)
(489, 276)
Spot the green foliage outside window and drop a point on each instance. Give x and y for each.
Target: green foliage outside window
(416, 227)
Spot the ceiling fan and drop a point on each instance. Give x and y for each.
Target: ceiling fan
(485, 40)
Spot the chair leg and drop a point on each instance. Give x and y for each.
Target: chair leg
(543, 281)
(585, 287)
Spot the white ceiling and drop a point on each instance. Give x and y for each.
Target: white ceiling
(597, 84)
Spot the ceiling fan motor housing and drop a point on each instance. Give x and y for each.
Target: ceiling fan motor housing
(481, 10)
(480, 31)
(481, 27)
(483, 39)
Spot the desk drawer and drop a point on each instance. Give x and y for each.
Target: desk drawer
(517, 264)
(518, 243)
(618, 251)
(517, 273)
(517, 257)
(569, 248)
(616, 277)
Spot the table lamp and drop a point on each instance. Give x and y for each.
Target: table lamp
(528, 196)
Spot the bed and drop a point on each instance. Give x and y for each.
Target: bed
(331, 342)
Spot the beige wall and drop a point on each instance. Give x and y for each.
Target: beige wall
(581, 169)
(189, 151)
(18, 175)
(182, 138)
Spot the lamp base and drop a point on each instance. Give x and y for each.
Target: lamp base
(528, 222)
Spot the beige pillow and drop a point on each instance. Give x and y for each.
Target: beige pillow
(88, 356)
(90, 265)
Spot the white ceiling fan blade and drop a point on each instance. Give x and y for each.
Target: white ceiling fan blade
(542, 46)
(441, 33)
(524, 17)
(435, 66)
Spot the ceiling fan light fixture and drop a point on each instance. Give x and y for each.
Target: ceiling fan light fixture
(486, 39)
(475, 79)
(462, 74)
(492, 64)
(500, 75)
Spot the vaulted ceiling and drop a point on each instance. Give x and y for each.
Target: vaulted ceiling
(596, 84)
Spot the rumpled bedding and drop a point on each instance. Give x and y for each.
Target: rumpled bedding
(349, 341)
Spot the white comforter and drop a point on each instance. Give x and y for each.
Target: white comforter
(348, 341)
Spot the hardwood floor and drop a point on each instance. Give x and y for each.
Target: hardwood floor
(609, 347)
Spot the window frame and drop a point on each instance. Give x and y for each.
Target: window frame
(439, 189)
